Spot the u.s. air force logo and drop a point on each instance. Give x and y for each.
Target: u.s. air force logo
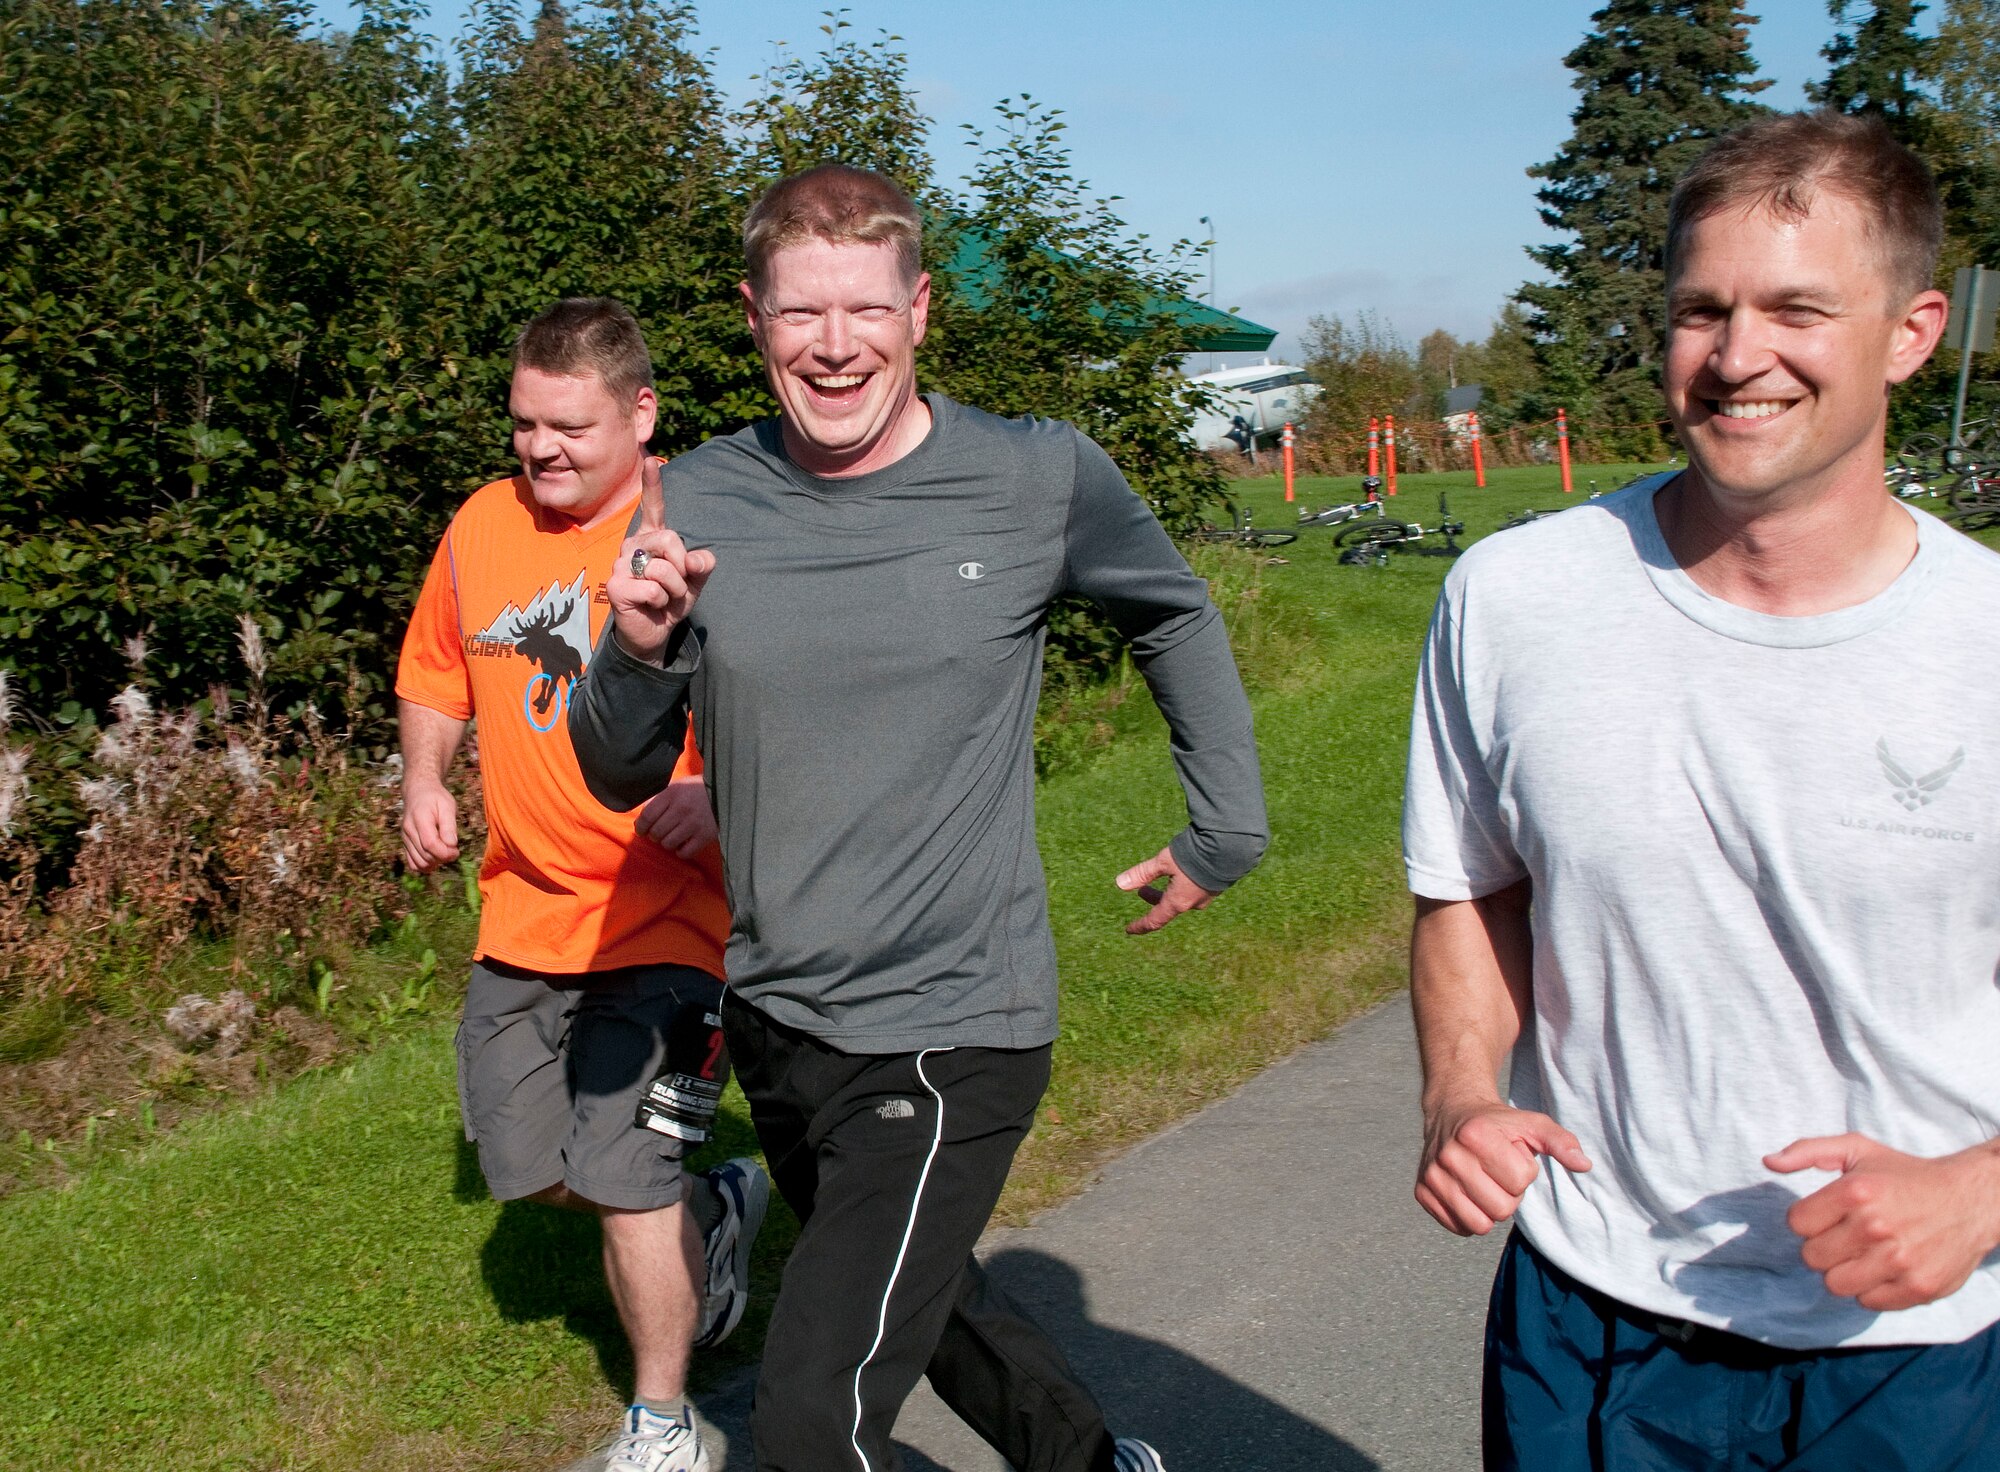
(1909, 789)
(1914, 791)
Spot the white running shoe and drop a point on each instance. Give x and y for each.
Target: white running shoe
(650, 1443)
(744, 1191)
(1129, 1454)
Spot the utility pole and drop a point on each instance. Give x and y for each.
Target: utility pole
(1211, 277)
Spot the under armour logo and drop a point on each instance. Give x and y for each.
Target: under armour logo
(972, 572)
(1915, 792)
(895, 1109)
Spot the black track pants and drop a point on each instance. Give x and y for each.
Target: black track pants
(893, 1163)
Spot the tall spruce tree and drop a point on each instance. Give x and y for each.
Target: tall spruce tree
(1963, 146)
(1964, 66)
(1658, 78)
(1876, 65)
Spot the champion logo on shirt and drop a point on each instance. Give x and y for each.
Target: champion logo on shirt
(972, 572)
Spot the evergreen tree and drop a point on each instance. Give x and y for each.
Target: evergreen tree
(1962, 144)
(1505, 364)
(1964, 64)
(1875, 66)
(1659, 79)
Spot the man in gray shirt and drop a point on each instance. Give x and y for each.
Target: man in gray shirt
(874, 570)
(1733, 734)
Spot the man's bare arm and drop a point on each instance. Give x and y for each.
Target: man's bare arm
(430, 740)
(1471, 964)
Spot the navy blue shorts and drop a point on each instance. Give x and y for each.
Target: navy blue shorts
(1577, 1381)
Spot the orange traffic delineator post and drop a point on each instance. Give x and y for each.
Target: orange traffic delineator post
(1286, 441)
(1389, 450)
(1374, 447)
(1562, 445)
(1478, 460)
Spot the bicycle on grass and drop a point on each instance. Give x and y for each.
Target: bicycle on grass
(1239, 532)
(1975, 497)
(1371, 487)
(1928, 464)
(1369, 543)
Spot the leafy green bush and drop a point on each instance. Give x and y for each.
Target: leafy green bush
(260, 283)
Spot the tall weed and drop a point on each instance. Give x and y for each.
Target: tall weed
(215, 820)
(231, 868)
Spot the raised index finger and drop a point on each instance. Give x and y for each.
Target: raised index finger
(652, 505)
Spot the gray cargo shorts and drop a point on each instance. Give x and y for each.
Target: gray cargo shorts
(550, 1073)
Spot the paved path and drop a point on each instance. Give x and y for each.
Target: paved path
(1253, 1289)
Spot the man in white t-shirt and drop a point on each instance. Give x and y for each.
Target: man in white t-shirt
(1704, 827)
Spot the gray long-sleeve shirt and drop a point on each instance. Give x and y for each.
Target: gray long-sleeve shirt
(864, 666)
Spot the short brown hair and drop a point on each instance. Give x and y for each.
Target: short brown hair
(1783, 163)
(581, 335)
(837, 203)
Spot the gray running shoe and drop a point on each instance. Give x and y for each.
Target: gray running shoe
(650, 1443)
(744, 1191)
(1129, 1454)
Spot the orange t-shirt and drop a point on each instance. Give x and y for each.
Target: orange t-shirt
(506, 622)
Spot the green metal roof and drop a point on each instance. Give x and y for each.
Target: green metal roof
(1209, 331)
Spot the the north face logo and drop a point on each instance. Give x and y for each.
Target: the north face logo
(895, 1109)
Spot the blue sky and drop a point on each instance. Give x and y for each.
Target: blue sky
(1353, 153)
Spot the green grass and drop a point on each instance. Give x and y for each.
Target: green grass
(316, 1280)
(104, 1088)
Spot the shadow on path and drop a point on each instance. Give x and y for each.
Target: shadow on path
(1192, 1413)
(541, 1262)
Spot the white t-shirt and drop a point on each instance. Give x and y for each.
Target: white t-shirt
(1765, 856)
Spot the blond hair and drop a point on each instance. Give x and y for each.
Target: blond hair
(837, 203)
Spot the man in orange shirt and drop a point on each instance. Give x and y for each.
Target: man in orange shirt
(590, 1055)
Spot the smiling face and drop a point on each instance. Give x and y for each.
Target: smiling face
(583, 448)
(838, 326)
(1783, 337)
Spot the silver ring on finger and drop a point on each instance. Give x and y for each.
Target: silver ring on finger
(639, 560)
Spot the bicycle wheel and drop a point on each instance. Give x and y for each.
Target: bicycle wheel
(1976, 491)
(1252, 537)
(1372, 531)
(1921, 455)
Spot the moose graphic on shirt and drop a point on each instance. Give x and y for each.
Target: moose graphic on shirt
(552, 633)
(541, 643)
